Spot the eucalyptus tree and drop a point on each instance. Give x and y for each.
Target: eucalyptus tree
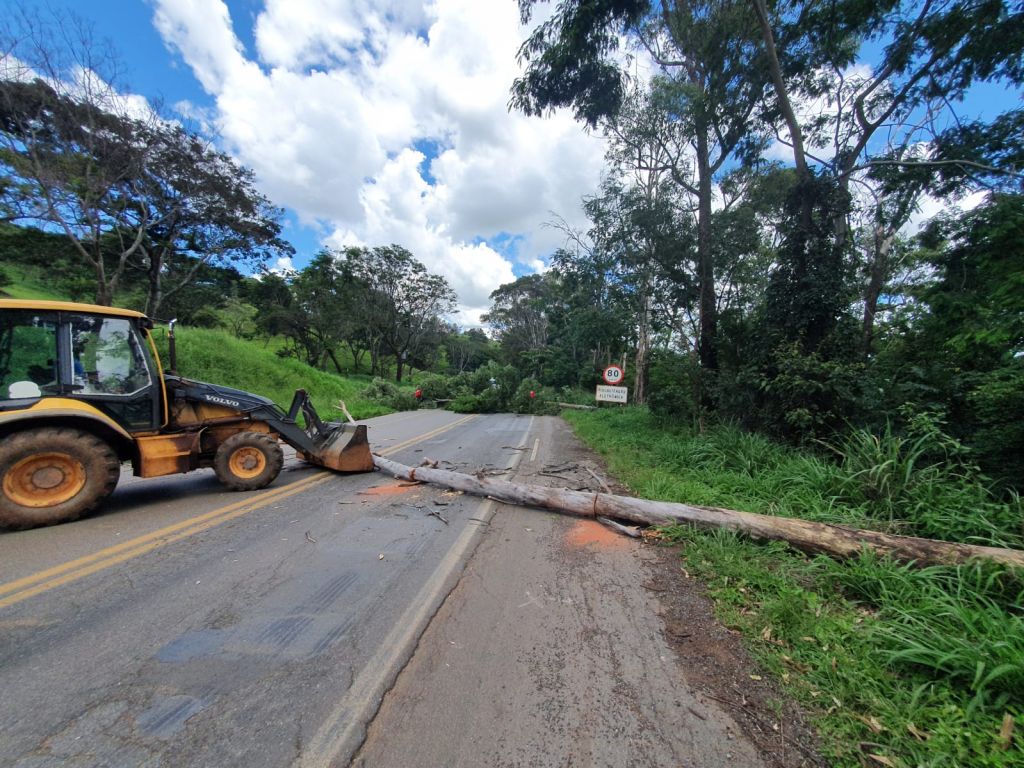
(466, 350)
(638, 232)
(635, 219)
(849, 121)
(709, 83)
(520, 317)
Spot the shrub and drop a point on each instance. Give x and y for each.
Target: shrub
(924, 482)
(489, 389)
(521, 402)
(998, 404)
(434, 386)
(543, 401)
(805, 396)
(389, 394)
(205, 318)
(671, 387)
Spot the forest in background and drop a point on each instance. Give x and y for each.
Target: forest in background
(754, 254)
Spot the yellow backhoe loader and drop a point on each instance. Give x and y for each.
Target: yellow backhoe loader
(82, 390)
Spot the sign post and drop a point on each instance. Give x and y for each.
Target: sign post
(613, 375)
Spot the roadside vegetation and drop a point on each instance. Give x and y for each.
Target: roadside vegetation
(899, 666)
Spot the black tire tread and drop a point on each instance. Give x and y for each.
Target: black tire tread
(102, 474)
(271, 449)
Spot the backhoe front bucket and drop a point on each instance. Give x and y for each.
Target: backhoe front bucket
(344, 449)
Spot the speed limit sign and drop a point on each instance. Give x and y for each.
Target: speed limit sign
(613, 374)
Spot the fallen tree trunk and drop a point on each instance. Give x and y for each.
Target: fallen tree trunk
(815, 538)
(577, 407)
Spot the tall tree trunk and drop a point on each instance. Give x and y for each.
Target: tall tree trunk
(357, 356)
(785, 105)
(881, 247)
(705, 257)
(103, 296)
(334, 359)
(155, 296)
(643, 347)
(374, 360)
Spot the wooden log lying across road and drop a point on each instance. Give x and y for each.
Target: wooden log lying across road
(836, 540)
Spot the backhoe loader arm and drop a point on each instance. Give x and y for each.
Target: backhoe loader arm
(341, 447)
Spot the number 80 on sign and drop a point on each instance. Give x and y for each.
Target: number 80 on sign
(613, 374)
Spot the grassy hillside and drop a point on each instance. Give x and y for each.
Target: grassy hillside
(28, 282)
(218, 357)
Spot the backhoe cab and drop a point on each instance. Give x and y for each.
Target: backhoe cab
(82, 390)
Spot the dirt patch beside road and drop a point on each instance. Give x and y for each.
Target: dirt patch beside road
(717, 665)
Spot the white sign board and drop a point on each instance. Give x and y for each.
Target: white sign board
(612, 394)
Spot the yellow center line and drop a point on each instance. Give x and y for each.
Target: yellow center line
(149, 546)
(28, 586)
(115, 550)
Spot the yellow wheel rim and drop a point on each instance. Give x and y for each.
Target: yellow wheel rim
(44, 480)
(247, 463)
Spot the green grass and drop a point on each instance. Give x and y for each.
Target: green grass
(918, 666)
(217, 357)
(29, 283)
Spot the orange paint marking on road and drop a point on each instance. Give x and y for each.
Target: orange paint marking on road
(585, 533)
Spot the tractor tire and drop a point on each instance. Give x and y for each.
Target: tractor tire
(53, 475)
(248, 461)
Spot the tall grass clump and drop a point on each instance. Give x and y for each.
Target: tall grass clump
(898, 665)
(924, 483)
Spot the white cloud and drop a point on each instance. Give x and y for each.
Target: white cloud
(929, 207)
(283, 265)
(349, 97)
(13, 68)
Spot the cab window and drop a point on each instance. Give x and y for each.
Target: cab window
(28, 351)
(107, 357)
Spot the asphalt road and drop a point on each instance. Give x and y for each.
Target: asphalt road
(347, 620)
(188, 625)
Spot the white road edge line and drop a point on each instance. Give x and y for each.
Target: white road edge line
(344, 729)
(536, 447)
